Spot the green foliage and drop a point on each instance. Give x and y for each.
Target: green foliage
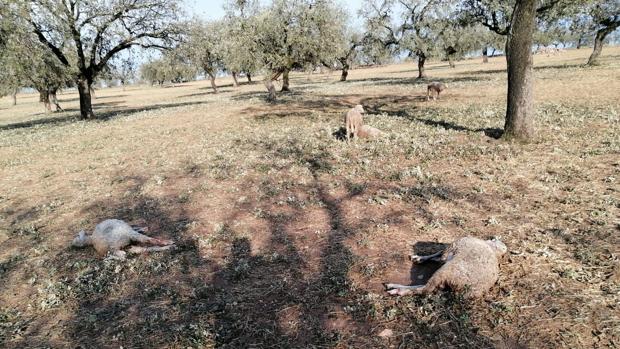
(171, 67)
(26, 62)
(299, 34)
(204, 46)
(239, 45)
(124, 69)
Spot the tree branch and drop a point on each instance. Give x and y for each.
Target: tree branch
(57, 52)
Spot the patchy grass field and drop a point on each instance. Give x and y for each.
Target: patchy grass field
(286, 233)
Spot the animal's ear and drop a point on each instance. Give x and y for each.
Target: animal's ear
(79, 240)
(499, 246)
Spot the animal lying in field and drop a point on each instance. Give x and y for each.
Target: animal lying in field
(353, 121)
(370, 132)
(470, 265)
(112, 235)
(436, 87)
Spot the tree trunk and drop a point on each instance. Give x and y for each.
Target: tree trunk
(285, 80)
(269, 79)
(235, 82)
(212, 79)
(485, 56)
(493, 52)
(520, 108)
(345, 72)
(44, 97)
(421, 61)
(601, 34)
(14, 96)
(249, 76)
(579, 41)
(86, 107)
(54, 100)
(451, 62)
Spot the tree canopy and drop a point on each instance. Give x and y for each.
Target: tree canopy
(85, 35)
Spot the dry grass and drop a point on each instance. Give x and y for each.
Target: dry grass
(286, 233)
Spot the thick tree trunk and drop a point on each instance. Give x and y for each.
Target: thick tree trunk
(86, 107)
(14, 96)
(599, 39)
(249, 76)
(345, 72)
(212, 79)
(271, 89)
(520, 108)
(451, 62)
(285, 80)
(235, 81)
(485, 56)
(421, 61)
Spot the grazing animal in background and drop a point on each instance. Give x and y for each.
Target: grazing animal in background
(353, 121)
(112, 235)
(470, 265)
(370, 132)
(436, 87)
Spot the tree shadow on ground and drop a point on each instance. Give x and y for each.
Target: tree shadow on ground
(393, 106)
(422, 272)
(486, 72)
(228, 85)
(95, 99)
(276, 296)
(71, 115)
(291, 105)
(417, 81)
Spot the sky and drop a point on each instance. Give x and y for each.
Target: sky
(212, 9)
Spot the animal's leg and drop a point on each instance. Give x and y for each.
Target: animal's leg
(348, 132)
(401, 290)
(140, 229)
(438, 92)
(143, 239)
(117, 255)
(140, 249)
(435, 257)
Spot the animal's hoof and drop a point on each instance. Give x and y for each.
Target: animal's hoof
(390, 286)
(399, 292)
(163, 242)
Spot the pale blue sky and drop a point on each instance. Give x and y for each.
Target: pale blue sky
(212, 9)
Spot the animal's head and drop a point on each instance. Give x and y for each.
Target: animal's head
(498, 246)
(359, 109)
(81, 240)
